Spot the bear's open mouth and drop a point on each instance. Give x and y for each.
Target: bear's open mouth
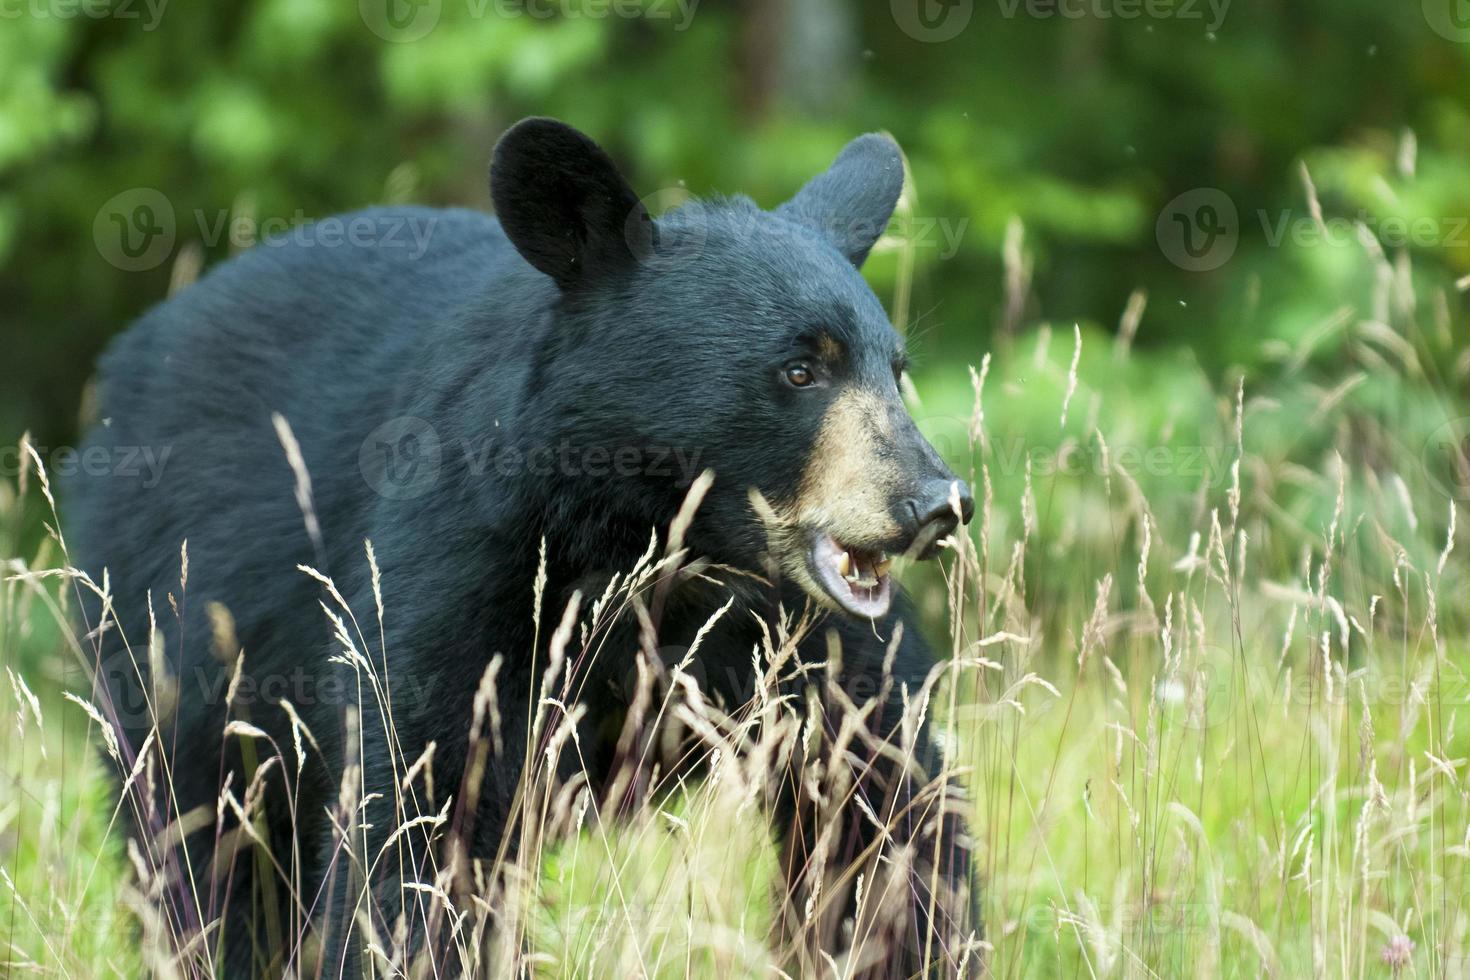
(855, 579)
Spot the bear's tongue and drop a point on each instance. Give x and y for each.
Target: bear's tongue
(856, 580)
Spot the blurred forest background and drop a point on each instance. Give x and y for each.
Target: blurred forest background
(1045, 138)
(1219, 251)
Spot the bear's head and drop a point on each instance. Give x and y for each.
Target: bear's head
(740, 341)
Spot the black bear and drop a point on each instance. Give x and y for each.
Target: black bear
(508, 409)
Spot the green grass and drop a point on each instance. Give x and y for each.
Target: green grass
(1211, 709)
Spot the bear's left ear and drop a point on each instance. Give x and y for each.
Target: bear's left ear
(563, 203)
(852, 201)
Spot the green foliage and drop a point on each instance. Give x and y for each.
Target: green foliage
(1079, 129)
(1045, 150)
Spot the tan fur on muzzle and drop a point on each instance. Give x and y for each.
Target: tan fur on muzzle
(849, 482)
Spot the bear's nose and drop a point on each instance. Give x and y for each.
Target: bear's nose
(933, 505)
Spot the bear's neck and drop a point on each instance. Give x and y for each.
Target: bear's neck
(589, 543)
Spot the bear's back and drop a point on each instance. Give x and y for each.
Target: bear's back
(309, 299)
(326, 327)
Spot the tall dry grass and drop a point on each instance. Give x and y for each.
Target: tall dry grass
(1208, 726)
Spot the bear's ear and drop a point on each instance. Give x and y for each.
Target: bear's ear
(563, 203)
(852, 201)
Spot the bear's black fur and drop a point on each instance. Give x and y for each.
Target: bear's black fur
(463, 389)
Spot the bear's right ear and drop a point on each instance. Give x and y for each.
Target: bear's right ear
(563, 203)
(850, 203)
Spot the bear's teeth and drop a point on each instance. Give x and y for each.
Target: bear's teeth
(844, 564)
(884, 564)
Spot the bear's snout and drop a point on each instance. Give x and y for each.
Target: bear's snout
(937, 511)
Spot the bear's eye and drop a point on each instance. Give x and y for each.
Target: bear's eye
(799, 375)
